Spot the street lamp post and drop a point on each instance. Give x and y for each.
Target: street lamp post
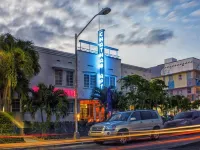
(104, 11)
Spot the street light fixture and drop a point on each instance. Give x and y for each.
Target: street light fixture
(104, 11)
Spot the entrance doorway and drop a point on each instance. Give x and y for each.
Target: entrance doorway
(91, 111)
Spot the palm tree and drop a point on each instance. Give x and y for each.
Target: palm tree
(101, 95)
(19, 63)
(10, 62)
(47, 100)
(117, 98)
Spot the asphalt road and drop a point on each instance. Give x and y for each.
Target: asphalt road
(182, 142)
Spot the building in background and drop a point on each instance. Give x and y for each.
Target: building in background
(182, 77)
(58, 67)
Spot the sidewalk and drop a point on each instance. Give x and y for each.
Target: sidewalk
(36, 143)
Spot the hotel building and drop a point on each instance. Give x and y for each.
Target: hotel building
(58, 67)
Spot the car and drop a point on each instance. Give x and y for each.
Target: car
(123, 123)
(184, 119)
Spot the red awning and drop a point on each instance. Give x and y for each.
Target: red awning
(68, 92)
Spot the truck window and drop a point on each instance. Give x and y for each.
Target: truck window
(154, 115)
(145, 115)
(136, 115)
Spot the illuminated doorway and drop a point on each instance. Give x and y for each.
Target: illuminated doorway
(91, 111)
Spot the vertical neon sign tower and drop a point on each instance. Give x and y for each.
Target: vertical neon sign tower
(101, 56)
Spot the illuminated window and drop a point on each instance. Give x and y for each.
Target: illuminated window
(70, 78)
(58, 77)
(90, 80)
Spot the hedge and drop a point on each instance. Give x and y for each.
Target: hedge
(8, 128)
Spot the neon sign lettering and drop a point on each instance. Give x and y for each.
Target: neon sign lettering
(101, 56)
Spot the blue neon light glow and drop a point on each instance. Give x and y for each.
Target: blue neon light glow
(101, 56)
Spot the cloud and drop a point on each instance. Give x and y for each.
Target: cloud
(196, 13)
(158, 36)
(3, 12)
(35, 32)
(4, 29)
(153, 37)
(172, 16)
(189, 4)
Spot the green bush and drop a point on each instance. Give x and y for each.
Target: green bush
(11, 140)
(8, 128)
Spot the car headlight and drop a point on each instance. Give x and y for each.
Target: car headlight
(91, 128)
(185, 122)
(110, 128)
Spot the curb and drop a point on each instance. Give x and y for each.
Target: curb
(47, 146)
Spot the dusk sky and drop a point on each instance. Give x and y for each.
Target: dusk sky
(145, 31)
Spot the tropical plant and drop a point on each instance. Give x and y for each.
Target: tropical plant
(158, 93)
(119, 101)
(47, 100)
(137, 91)
(117, 98)
(19, 63)
(196, 104)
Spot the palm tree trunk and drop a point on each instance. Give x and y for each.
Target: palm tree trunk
(42, 119)
(42, 124)
(5, 97)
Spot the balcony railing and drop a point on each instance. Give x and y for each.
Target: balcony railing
(96, 52)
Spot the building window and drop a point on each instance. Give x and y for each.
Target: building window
(106, 81)
(171, 78)
(192, 97)
(110, 81)
(179, 92)
(70, 78)
(15, 105)
(86, 80)
(180, 77)
(197, 75)
(93, 81)
(189, 75)
(71, 107)
(58, 77)
(189, 90)
(90, 80)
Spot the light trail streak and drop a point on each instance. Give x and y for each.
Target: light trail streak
(12, 119)
(157, 143)
(117, 137)
(61, 142)
(133, 134)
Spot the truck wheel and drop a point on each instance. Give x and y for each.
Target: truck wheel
(155, 135)
(123, 140)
